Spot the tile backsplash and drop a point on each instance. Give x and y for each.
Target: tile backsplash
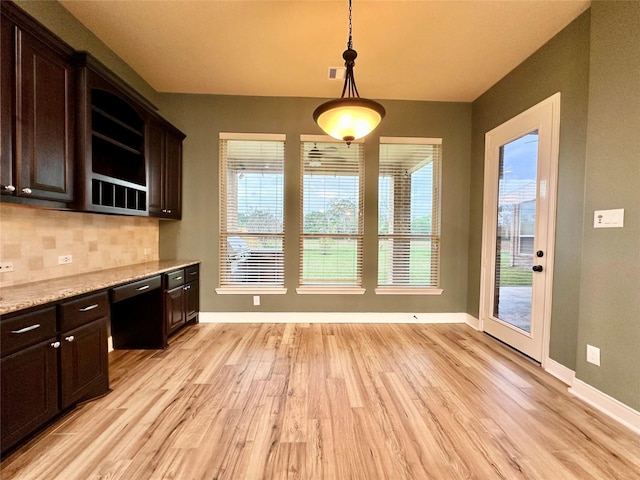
(34, 238)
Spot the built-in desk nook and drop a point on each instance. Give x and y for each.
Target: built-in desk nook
(55, 333)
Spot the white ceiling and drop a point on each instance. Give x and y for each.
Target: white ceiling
(410, 50)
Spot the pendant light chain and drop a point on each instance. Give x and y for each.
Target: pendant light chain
(349, 56)
(350, 41)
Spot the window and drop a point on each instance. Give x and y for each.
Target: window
(332, 225)
(251, 210)
(409, 214)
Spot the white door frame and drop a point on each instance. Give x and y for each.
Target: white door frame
(548, 111)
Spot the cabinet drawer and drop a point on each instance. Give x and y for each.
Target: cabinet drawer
(192, 273)
(135, 288)
(83, 310)
(174, 279)
(27, 329)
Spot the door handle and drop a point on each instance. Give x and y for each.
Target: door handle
(537, 268)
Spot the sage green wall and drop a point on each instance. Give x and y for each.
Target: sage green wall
(202, 117)
(610, 277)
(561, 65)
(58, 19)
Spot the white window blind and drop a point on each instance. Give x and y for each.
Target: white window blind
(332, 220)
(409, 212)
(251, 210)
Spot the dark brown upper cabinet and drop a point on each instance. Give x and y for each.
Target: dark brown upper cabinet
(74, 135)
(38, 119)
(112, 137)
(164, 153)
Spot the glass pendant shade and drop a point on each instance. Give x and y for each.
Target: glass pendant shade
(350, 118)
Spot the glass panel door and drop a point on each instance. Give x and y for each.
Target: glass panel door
(516, 213)
(520, 178)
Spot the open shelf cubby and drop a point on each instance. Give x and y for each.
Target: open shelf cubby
(117, 138)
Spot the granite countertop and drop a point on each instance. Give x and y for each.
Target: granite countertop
(28, 295)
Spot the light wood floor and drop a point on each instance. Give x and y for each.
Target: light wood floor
(333, 402)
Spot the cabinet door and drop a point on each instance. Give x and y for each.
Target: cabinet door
(6, 99)
(85, 364)
(173, 177)
(192, 300)
(45, 132)
(155, 164)
(174, 309)
(29, 391)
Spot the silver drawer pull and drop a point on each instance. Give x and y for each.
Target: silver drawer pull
(193, 273)
(70, 338)
(90, 307)
(55, 344)
(26, 329)
(179, 278)
(144, 287)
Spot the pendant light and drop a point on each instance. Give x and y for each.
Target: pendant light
(351, 117)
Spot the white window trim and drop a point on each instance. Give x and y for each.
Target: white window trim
(408, 291)
(275, 137)
(251, 290)
(330, 290)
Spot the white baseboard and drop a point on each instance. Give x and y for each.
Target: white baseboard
(562, 373)
(472, 321)
(331, 317)
(617, 410)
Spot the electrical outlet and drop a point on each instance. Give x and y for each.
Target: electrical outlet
(593, 355)
(256, 299)
(6, 267)
(65, 259)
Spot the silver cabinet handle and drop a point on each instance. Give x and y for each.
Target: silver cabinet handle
(26, 329)
(70, 338)
(179, 278)
(9, 188)
(55, 344)
(144, 287)
(26, 190)
(90, 307)
(168, 211)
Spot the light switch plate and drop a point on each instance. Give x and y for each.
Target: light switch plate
(608, 218)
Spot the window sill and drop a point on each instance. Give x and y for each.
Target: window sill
(408, 291)
(330, 290)
(254, 290)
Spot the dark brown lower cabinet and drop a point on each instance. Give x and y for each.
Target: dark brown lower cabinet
(192, 300)
(174, 309)
(52, 358)
(29, 390)
(182, 297)
(84, 361)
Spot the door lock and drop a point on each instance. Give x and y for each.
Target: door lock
(539, 253)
